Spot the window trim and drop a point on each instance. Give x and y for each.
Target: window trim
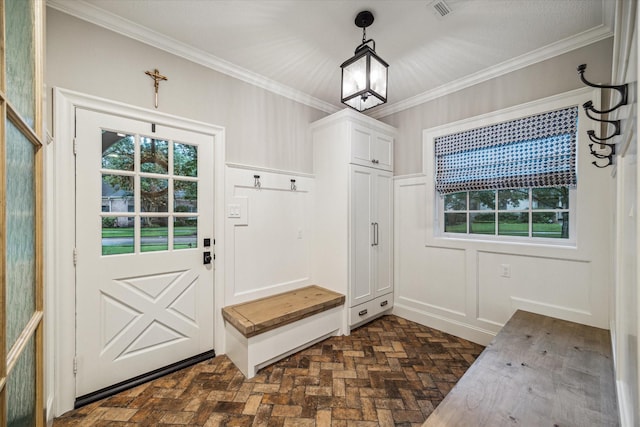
(435, 229)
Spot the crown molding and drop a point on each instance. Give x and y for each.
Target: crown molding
(100, 17)
(87, 12)
(560, 47)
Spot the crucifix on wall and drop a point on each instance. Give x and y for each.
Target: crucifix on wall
(157, 78)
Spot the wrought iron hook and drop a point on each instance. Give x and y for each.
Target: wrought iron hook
(594, 138)
(603, 166)
(612, 151)
(622, 89)
(616, 123)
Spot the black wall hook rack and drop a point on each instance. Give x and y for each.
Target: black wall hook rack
(622, 89)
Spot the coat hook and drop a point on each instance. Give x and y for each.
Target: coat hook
(293, 185)
(594, 138)
(615, 123)
(612, 151)
(622, 89)
(603, 166)
(256, 181)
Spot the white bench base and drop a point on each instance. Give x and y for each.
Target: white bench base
(251, 354)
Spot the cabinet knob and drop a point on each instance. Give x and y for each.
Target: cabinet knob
(383, 303)
(363, 312)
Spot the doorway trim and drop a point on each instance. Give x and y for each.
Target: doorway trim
(60, 274)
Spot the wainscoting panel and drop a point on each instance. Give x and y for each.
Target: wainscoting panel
(268, 232)
(457, 285)
(553, 287)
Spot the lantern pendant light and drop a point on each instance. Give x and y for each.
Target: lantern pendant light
(364, 76)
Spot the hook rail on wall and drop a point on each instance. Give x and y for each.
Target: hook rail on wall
(258, 184)
(588, 107)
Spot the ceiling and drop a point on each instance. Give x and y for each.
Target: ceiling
(295, 47)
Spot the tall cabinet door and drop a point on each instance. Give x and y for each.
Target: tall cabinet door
(362, 234)
(383, 243)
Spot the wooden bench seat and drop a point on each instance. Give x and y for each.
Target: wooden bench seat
(262, 331)
(538, 371)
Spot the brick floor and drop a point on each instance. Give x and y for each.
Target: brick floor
(390, 372)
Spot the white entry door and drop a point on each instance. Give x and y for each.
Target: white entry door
(144, 212)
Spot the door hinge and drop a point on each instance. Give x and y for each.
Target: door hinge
(75, 257)
(75, 365)
(75, 146)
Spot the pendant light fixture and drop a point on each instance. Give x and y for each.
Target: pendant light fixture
(364, 76)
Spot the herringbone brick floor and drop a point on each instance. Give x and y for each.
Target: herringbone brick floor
(391, 372)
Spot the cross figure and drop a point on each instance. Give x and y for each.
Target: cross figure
(157, 78)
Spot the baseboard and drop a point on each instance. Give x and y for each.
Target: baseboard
(625, 407)
(463, 330)
(48, 415)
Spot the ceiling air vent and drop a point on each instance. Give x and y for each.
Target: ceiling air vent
(440, 8)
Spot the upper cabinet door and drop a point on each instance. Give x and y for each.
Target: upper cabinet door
(361, 146)
(383, 151)
(371, 148)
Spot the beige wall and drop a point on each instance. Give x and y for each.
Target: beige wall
(550, 77)
(262, 128)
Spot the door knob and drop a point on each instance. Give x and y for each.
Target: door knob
(206, 258)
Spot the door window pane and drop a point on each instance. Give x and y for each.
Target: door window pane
(153, 195)
(118, 151)
(185, 233)
(117, 235)
(21, 389)
(513, 224)
(482, 200)
(117, 193)
(154, 235)
(154, 155)
(550, 224)
(185, 194)
(185, 159)
(482, 223)
(455, 222)
(516, 200)
(20, 227)
(20, 46)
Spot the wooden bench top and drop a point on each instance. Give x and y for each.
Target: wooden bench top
(538, 371)
(255, 317)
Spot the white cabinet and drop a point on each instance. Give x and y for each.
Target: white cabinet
(353, 221)
(371, 148)
(370, 255)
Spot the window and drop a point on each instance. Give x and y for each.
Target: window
(512, 178)
(523, 212)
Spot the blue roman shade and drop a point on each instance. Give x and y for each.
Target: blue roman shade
(532, 152)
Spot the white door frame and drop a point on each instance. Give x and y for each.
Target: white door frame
(60, 333)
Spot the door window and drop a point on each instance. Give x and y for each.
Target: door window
(149, 194)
